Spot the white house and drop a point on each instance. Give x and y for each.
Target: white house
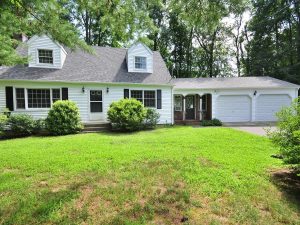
(96, 80)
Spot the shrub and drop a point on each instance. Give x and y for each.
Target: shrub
(63, 118)
(287, 134)
(3, 122)
(151, 118)
(127, 115)
(39, 126)
(213, 122)
(20, 125)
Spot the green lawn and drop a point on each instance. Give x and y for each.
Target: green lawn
(201, 175)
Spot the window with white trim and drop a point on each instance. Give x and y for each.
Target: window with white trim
(39, 98)
(45, 56)
(178, 103)
(20, 98)
(140, 62)
(137, 94)
(55, 95)
(36, 98)
(147, 97)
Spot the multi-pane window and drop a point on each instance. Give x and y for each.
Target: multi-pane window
(45, 56)
(204, 102)
(20, 98)
(38, 98)
(140, 62)
(137, 94)
(55, 95)
(178, 103)
(96, 101)
(149, 98)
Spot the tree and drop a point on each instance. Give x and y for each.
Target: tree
(34, 17)
(111, 23)
(274, 49)
(287, 136)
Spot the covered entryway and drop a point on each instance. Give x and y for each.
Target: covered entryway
(192, 108)
(267, 105)
(233, 108)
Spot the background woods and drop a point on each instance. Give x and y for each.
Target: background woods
(205, 38)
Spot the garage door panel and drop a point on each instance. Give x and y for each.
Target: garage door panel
(268, 105)
(233, 108)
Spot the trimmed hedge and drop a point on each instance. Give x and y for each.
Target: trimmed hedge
(126, 115)
(131, 115)
(63, 118)
(213, 122)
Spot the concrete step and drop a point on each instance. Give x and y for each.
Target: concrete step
(95, 127)
(187, 122)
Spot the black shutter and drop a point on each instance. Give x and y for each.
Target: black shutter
(64, 93)
(9, 92)
(126, 93)
(158, 96)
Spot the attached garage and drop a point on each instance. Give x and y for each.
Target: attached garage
(233, 108)
(268, 104)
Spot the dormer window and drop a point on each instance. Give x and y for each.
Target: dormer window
(45, 56)
(140, 62)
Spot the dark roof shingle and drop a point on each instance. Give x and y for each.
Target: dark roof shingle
(231, 82)
(107, 65)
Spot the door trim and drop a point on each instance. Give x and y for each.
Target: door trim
(100, 118)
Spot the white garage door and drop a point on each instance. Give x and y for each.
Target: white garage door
(233, 108)
(268, 105)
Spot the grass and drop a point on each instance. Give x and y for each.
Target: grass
(179, 175)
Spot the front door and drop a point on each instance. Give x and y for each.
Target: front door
(96, 105)
(190, 107)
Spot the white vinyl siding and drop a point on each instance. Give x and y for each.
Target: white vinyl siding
(45, 43)
(233, 108)
(139, 50)
(116, 92)
(268, 105)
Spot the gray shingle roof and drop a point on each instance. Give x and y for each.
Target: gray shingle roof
(107, 65)
(231, 82)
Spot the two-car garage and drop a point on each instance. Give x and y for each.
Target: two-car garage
(238, 108)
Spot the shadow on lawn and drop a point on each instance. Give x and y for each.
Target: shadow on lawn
(289, 183)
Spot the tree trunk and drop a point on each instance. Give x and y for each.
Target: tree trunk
(211, 53)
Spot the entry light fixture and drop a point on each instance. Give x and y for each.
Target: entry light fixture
(255, 92)
(107, 90)
(83, 89)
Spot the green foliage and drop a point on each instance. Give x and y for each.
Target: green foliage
(3, 122)
(274, 48)
(151, 118)
(287, 135)
(162, 175)
(20, 125)
(39, 126)
(213, 122)
(127, 115)
(63, 118)
(34, 17)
